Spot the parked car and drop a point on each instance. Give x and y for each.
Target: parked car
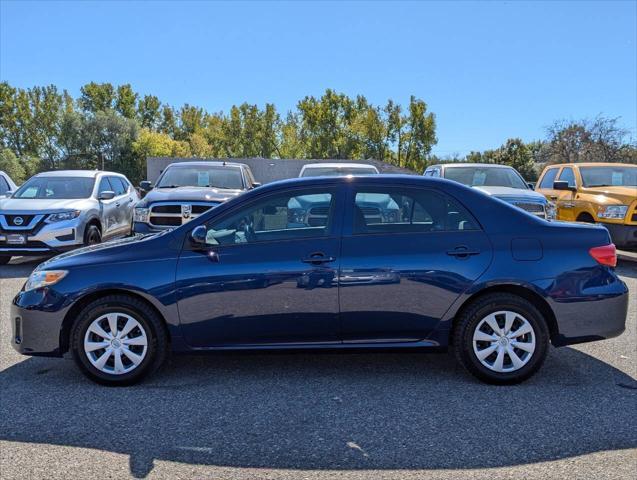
(603, 193)
(337, 169)
(458, 268)
(185, 190)
(6, 185)
(56, 211)
(499, 181)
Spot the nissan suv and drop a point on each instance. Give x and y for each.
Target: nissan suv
(57, 211)
(499, 181)
(185, 190)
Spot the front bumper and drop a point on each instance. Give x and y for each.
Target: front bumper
(139, 227)
(622, 235)
(36, 323)
(49, 238)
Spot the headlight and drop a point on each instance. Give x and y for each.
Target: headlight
(141, 215)
(59, 217)
(613, 211)
(44, 278)
(551, 211)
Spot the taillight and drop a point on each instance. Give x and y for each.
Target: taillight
(605, 255)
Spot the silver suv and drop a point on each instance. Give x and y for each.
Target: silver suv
(6, 185)
(58, 211)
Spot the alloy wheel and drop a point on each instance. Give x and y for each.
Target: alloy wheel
(115, 343)
(504, 341)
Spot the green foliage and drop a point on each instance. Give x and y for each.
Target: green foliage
(97, 97)
(10, 164)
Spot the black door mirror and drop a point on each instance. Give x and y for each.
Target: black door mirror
(531, 185)
(146, 185)
(106, 195)
(198, 237)
(562, 185)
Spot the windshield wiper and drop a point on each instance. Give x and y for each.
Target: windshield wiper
(169, 186)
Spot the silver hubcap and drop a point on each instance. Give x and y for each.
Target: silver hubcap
(115, 343)
(504, 341)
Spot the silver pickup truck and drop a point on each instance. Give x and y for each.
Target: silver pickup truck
(58, 211)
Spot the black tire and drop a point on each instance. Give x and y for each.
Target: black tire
(4, 260)
(92, 235)
(157, 347)
(470, 319)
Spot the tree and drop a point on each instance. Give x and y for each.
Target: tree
(517, 155)
(10, 164)
(597, 140)
(148, 112)
(126, 101)
(96, 97)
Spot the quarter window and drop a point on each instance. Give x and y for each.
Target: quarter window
(289, 216)
(411, 210)
(567, 175)
(548, 178)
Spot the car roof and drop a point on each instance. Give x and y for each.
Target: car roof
(205, 163)
(481, 165)
(381, 179)
(339, 165)
(76, 173)
(592, 164)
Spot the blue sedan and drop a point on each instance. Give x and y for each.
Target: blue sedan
(318, 263)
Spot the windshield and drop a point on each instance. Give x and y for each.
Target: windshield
(486, 177)
(202, 176)
(56, 188)
(337, 171)
(609, 176)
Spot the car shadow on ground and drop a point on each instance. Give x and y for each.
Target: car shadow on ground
(355, 411)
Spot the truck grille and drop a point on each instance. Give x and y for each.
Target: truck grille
(172, 214)
(534, 208)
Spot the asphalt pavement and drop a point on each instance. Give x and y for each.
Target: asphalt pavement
(317, 415)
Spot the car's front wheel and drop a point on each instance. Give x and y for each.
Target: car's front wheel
(118, 340)
(501, 338)
(92, 235)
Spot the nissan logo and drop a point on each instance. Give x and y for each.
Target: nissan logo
(17, 221)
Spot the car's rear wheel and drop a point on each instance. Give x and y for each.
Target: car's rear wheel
(4, 260)
(118, 340)
(92, 235)
(501, 338)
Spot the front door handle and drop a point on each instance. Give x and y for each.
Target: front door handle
(318, 258)
(462, 252)
(117, 204)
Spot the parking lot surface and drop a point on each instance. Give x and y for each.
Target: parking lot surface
(310, 416)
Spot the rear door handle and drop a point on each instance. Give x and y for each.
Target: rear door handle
(317, 259)
(462, 252)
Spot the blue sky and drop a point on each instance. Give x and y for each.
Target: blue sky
(489, 71)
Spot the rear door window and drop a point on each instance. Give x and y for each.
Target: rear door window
(400, 210)
(118, 186)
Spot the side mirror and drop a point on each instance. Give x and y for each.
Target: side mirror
(562, 185)
(146, 185)
(198, 237)
(106, 195)
(531, 185)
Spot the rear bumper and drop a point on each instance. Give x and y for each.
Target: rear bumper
(597, 312)
(622, 235)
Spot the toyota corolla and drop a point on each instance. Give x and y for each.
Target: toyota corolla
(453, 268)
